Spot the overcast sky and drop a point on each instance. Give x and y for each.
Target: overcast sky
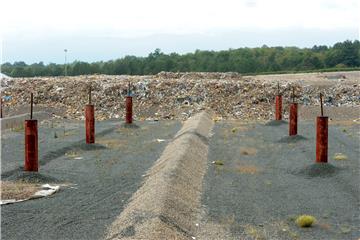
(40, 30)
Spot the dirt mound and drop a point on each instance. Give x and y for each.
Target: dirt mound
(32, 177)
(291, 139)
(318, 170)
(130, 126)
(89, 147)
(275, 123)
(178, 95)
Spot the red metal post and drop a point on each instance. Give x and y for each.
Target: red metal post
(31, 145)
(90, 123)
(322, 139)
(1, 106)
(293, 119)
(128, 115)
(278, 107)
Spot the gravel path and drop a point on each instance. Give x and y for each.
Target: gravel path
(267, 179)
(101, 178)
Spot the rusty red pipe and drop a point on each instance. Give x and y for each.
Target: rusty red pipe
(322, 139)
(31, 146)
(278, 107)
(293, 119)
(90, 123)
(1, 106)
(128, 106)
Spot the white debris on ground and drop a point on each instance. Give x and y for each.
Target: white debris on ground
(9, 201)
(46, 190)
(181, 95)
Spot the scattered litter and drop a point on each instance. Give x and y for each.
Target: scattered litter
(7, 98)
(227, 95)
(340, 156)
(9, 201)
(71, 154)
(46, 190)
(268, 182)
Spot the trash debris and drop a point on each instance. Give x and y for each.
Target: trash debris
(46, 190)
(9, 201)
(340, 156)
(177, 95)
(71, 154)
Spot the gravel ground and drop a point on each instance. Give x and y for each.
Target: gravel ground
(100, 179)
(267, 180)
(349, 113)
(56, 137)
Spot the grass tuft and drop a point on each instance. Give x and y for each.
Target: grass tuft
(71, 154)
(218, 162)
(345, 229)
(248, 169)
(249, 151)
(19, 128)
(305, 221)
(217, 119)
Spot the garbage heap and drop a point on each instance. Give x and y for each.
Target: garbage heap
(172, 95)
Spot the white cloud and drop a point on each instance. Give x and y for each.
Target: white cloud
(143, 17)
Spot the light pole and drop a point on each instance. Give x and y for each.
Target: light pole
(65, 51)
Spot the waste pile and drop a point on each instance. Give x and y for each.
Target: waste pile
(173, 95)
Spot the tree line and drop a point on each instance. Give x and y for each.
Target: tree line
(342, 55)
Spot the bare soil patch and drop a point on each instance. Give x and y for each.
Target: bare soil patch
(18, 190)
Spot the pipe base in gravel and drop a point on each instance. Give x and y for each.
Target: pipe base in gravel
(275, 123)
(129, 125)
(318, 170)
(31, 177)
(292, 139)
(168, 203)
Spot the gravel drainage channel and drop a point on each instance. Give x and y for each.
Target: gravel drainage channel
(167, 205)
(259, 181)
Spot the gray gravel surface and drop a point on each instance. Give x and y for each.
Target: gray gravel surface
(100, 178)
(267, 180)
